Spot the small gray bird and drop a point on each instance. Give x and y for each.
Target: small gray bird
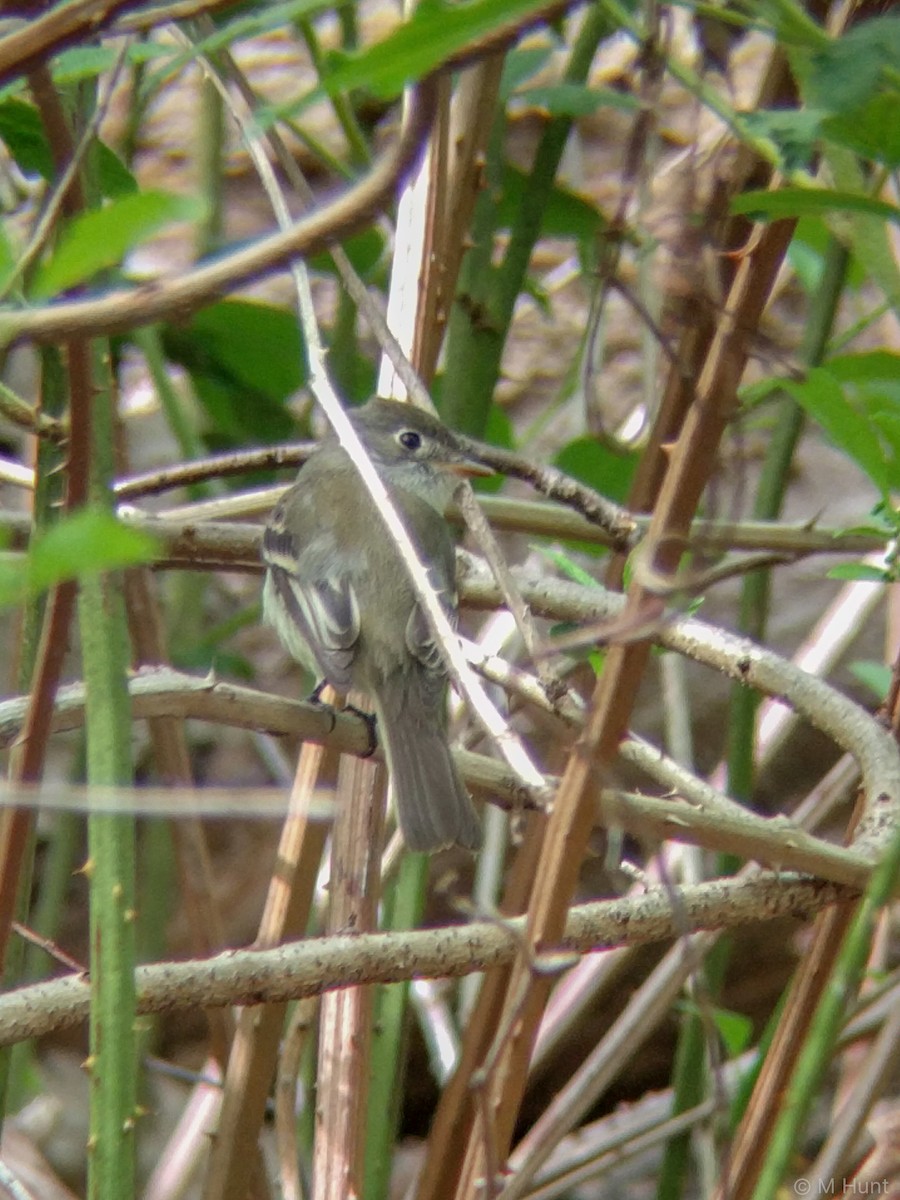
(339, 595)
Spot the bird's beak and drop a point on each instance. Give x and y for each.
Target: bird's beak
(470, 468)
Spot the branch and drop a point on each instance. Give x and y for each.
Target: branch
(316, 965)
(845, 722)
(165, 299)
(697, 814)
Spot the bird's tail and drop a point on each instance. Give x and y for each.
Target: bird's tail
(433, 807)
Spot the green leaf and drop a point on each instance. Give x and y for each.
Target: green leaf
(588, 460)
(113, 177)
(846, 73)
(567, 566)
(872, 131)
(8, 257)
(23, 133)
(566, 214)
(754, 395)
(859, 573)
(798, 202)
(244, 344)
(365, 251)
(245, 360)
(868, 235)
(520, 64)
(100, 239)
(887, 422)
(499, 428)
(576, 100)
(871, 366)
(871, 382)
(239, 415)
(82, 62)
(498, 431)
(875, 676)
(144, 52)
(735, 1030)
(435, 32)
(807, 252)
(822, 396)
(86, 543)
(791, 24)
(13, 580)
(251, 21)
(793, 131)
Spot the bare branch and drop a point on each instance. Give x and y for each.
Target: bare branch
(167, 299)
(317, 965)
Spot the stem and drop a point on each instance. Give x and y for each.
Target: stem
(754, 606)
(110, 867)
(818, 1052)
(403, 910)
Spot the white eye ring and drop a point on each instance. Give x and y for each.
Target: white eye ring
(409, 439)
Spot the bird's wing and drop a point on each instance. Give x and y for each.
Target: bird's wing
(419, 639)
(321, 607)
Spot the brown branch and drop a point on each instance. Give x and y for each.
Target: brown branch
(27, 763)
(39, 37)
(572, 817)
(251, 1065)
(168, 738)
(217, 466)
(176, 298)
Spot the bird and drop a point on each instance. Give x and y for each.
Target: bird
(340, 597)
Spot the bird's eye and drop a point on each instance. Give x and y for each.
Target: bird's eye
(409, 439)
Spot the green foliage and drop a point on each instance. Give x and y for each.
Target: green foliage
(860, 573)
(436, 31)
(846, 73)
(519, 65)
(98, 240)
(245, 360)
(856, 400)
(255, 345)
(84, 544)
(875, 676)
(568, 567)
(365, 250)
(850, 91)
(807, 256)
(794, 131)
(734, 1028)
(23, 134)
(566, 213)
(82, 62)
(872, 130)
(576, 100)
(587, 459)
(810, 202)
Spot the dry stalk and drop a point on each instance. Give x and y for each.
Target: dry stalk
(251, 1064)
(571, 820)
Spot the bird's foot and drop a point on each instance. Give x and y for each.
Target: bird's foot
(315, 697)
(371, 724)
